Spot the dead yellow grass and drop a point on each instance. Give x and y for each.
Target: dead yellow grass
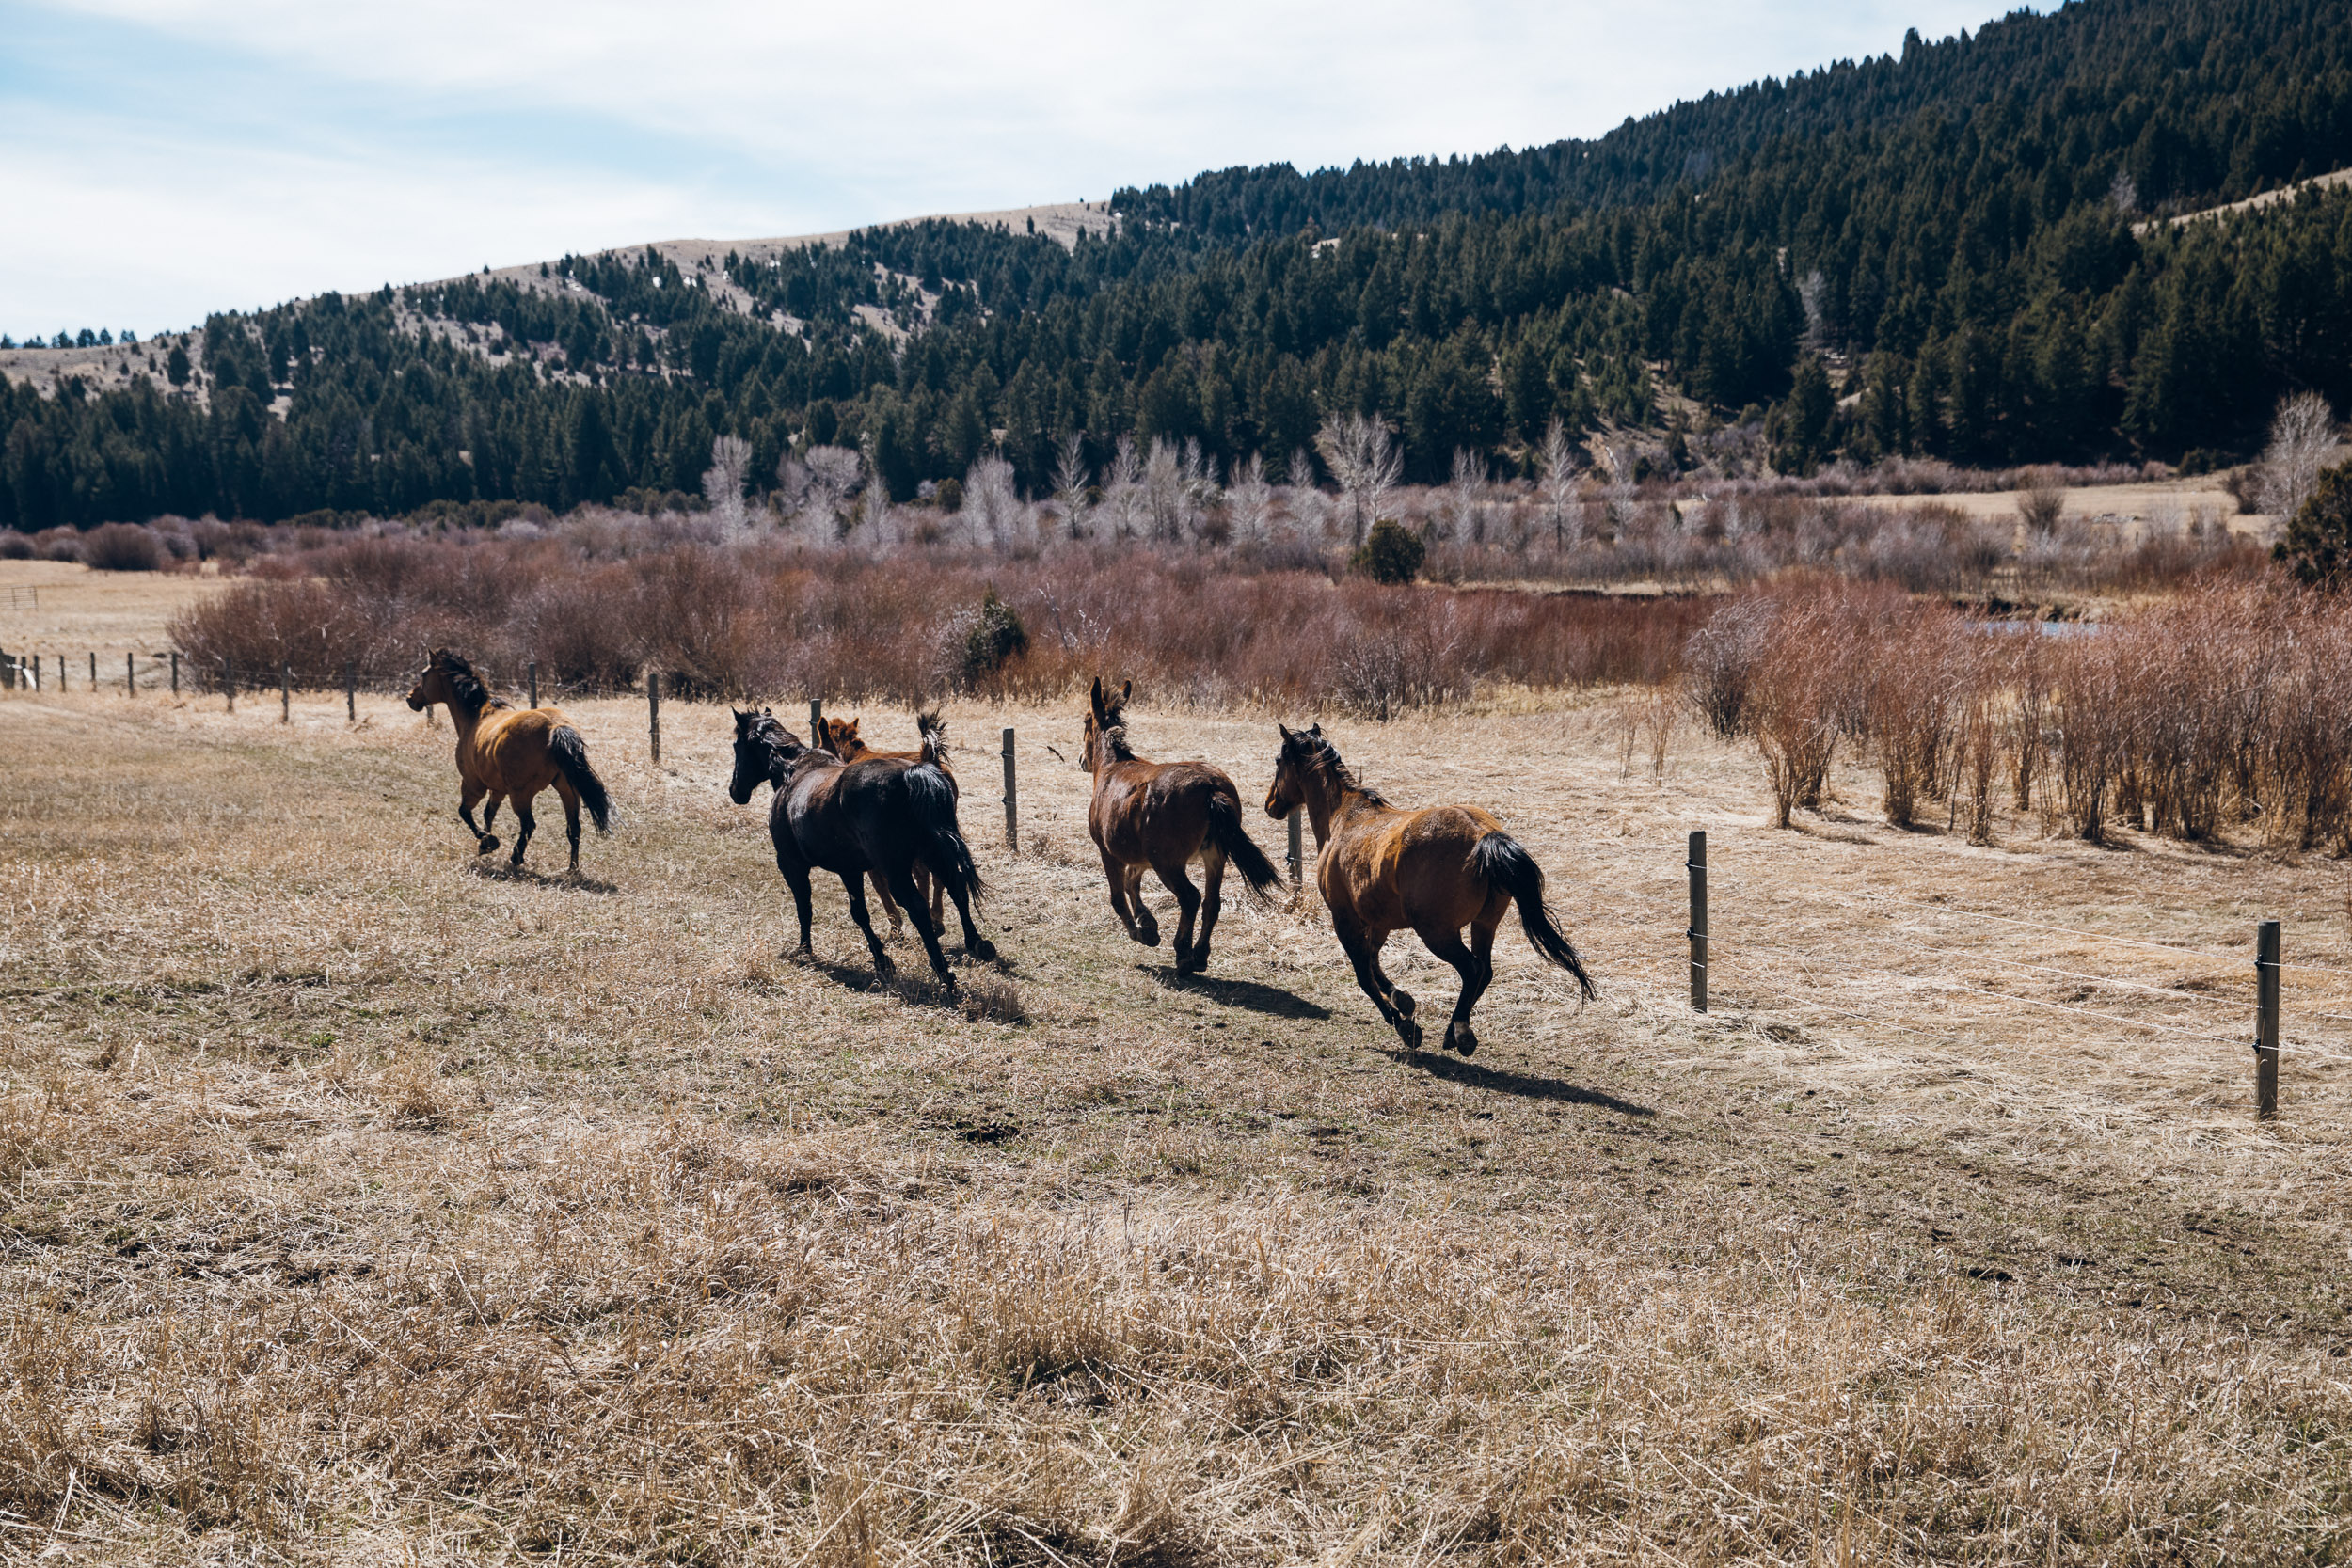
(49, 608)
(363, 1203)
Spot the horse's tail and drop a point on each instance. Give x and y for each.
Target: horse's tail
(1505, 863)
(1241, 852)
(571, 759)
(938, 842)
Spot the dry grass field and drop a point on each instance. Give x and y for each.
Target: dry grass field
(363, 1203)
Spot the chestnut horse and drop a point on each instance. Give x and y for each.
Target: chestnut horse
(840, 737)
(1433, 870)
(1161, 816)
(884, 815)
(511, 754)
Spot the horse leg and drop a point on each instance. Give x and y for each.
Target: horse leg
(1212, 902)
(975, 946)
(1189, 903)
(1476, 971)
(1115, 872)
(927, 887)
(468, 795)
(570, 798)
(796, 878)
(525, 825)
(855, 885)
(926, 928)
(1364, 954)
(489, 820)
(1147, 924)
(890, 906)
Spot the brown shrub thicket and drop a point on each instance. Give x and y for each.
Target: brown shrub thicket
(2228, 704)
(779, 621)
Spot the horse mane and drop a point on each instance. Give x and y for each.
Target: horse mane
(465, 684)
(1321, 756)
(1114, 723)
(932, 728)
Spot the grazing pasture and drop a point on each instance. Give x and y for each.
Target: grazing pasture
(364, 1200)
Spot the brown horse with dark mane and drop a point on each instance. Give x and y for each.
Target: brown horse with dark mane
(1160, 817)
(840, 737)
(511, 754)
(1432, 871)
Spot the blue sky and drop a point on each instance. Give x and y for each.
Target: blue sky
(163, 158)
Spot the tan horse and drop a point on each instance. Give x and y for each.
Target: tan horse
(840, 737)
(1432, 871)
(1160, 817)
(505, 752)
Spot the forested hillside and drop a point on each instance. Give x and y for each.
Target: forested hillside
(1960, 252)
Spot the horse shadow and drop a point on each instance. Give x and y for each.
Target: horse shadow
(920, 990)
(1252, 995)
(1526, 1085)
(504, 871)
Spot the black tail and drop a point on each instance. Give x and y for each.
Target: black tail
(571, 759)
(1505, 861)
(1240, 850)
(938, 843)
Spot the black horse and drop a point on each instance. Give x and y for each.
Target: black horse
(881, 816)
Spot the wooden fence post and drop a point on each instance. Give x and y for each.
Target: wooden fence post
(1012, 800)
(653, 709)
(1698, 920)
(175, 671)
(1298, 846)
(93, 669)
(130, 674)
(816, 723)
(61, 688)
(533, 667)
(2267, 1021)
(228, 681)
(351, 690)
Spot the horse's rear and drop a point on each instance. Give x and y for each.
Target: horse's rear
(843, 739)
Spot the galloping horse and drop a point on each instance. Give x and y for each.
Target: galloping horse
(1162, 816)
(883, 816)
(1433, 870)
(840, 737)
(506, 752)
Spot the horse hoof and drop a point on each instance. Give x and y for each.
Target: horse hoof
(1149, 939)
(1193, 963)
(1409, 1032)
(983, 950)
(489, 845)
(883, 968)
(1403, 1002)
(1459, 1038)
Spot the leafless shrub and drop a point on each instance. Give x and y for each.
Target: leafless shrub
(2302, 433)
(2040, 505)
(121, 548)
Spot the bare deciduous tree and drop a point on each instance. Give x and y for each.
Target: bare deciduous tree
(1465, 494)
(1555, 479)
(1198, 491)
(2302, 433)
(1360, 456)
(991, 507)
(1122, 488)
(834, 474)
(724, 481)
(1070, 485)
(1163, 484)
(1249, 502)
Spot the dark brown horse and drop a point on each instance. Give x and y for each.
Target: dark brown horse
(840, 737)
(1160, 817)
(511, 754)
(884, 815)
(1432, 871)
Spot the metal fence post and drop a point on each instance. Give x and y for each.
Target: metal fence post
(61, 687)
(1698, 920)
(653, 709)
(93, 669)
(175, 671)
(130, 674)
(285, 693)
(2267, 1021)
(1298, 846)
(228, 681)
(351, 690)
(533, 667)
(1012, 800)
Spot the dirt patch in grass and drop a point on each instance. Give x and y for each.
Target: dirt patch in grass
(356, 1203)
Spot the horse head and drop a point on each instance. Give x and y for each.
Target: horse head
(764, 753)
(432, 685)
(1302, 750)
(1105, 725)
